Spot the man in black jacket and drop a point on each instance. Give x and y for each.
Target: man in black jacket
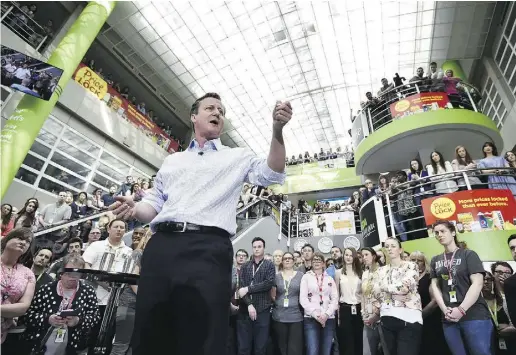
(253, 320)
(510, 283)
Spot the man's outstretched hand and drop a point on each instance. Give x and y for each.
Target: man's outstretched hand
(282, 114)
(123, 207)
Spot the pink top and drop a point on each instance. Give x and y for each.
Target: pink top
(311, 297)
(13, 284)
(8, 227)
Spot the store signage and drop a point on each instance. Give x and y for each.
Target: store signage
(473, 210)
(419, 103)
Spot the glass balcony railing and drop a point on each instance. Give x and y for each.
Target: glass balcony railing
(412, 99)
(20, 19)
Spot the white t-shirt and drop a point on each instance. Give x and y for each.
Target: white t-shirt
(93, 256)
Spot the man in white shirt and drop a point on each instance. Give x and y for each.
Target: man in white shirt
(184, 286)
(113, 244)
(22, 73)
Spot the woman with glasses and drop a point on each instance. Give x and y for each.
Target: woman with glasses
(286, 315)
(432, 341)
(371, 336)
(49, 329)
(495, 298)
(399, 302)
(457, 279)
(319, 299)
(350, 325)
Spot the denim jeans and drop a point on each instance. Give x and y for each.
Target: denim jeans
(124, 330)
(471, 337)
(318, 340)
(253, 335)
(371, 340)
(399, 227)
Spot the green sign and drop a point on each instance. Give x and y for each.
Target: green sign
(315, 176)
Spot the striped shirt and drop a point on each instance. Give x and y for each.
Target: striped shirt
(202, 185)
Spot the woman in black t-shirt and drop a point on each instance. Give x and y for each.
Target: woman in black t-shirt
(457, 280)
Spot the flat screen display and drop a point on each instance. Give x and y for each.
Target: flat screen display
(28, 75)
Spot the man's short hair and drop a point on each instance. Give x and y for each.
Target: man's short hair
(242, 251)
(115, 220)
(75, 260)
(336, 247)
(195, 106)
(501, 263)
(309, 246)
(511, 237)
(258, 239)
(433, 63)
(75, 240)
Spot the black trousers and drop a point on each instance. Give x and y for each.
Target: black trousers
(184, 292)
(289, 337)
(400, 337)
(350, 330)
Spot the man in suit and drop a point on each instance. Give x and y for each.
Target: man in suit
(510, 283)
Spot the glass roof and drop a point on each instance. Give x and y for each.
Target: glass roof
(322, 56)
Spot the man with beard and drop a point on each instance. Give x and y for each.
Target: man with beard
(74, 247)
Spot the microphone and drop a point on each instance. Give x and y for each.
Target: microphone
(201, 153)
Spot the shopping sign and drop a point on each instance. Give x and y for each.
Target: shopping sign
(419, 103)
(473, 210)
(89, 80)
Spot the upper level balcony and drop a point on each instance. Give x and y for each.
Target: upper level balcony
(414, 119)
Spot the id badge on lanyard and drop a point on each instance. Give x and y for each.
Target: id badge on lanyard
(452, 293)
(60, 335)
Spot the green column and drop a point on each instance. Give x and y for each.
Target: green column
(457, 69)
(24, 124)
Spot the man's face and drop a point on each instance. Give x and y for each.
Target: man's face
(241, 258)
(117, 230)
(368, 184)
(335, 253)
(369, 96)
(129, 179)
(433, 68)
(385, 82)
(258, 249)
(512, 247)
(61, 197)
(308, 254)
(209, 119)
(94, 235)
(43, 257)
(138, 234)
(419, 72)
(74, 248)
(112, 190)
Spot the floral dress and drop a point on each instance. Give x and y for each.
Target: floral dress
(12, 286)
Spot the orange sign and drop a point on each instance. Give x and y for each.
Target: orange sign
(418, 103)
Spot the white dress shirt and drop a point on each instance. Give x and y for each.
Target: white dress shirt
(202, 185)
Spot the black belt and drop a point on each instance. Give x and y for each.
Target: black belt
(183, 227)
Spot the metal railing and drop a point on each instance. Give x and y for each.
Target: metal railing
(20, 21)
(404, 217)
(451, 93)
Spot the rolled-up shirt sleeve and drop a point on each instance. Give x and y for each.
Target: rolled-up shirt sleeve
(156, 196)
(261, 174)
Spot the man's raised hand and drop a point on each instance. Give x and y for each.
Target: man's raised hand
(123, 207)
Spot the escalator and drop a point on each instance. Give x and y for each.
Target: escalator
(260, 218)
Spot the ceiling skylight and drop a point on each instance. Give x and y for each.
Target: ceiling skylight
(322, 56)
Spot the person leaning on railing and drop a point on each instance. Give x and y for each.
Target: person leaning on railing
(492, 162)
(463, 161)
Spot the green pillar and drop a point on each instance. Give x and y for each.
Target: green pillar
(457, 69)
(24, 124)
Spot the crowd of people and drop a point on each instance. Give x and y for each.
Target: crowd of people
(23, 20)
(460, 94)
(322, 156)
(371, 301)
(126, 93)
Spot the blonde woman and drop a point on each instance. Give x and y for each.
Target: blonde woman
(371, 336)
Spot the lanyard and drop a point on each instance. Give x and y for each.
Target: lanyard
(258, 268)
(237, 278)
(494, 314)
(450, 265)
(65, 303)
(320, 286)
(286, 284)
